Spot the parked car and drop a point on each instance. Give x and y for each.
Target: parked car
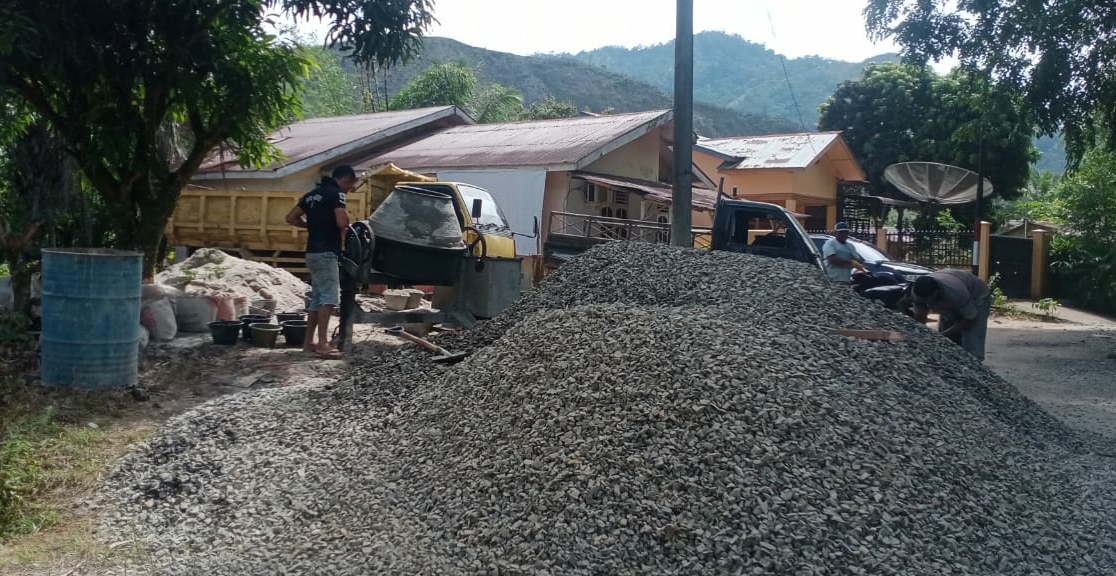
(762, 229)
(877, 261)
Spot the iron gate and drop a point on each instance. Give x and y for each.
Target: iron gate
(1010, 258)
(857, 209)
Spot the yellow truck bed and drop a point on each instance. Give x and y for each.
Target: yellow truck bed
(252, 223)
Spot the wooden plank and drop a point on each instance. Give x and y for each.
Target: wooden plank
(888, 335)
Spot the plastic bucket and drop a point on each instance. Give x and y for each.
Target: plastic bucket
(294, 332)
(285, 316)
(248, 319)
(264, 334)
(91, 317)
(224, 332)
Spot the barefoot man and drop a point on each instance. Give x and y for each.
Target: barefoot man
(322, 212)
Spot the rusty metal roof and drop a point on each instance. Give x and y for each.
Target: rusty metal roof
(323, 140)
(702, 198)
(784, 152)
(566, 143)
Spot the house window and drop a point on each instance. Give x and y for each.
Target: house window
(591, 193)
(663, 236)
(620, 197)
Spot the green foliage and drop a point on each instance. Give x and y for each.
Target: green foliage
(549, 109)
(446, 83)
(999, 299)
(440, 84)
(496, 103)
(902, 113)
(1048, 307)
(1048, 50)
(21, 474)
(13, 329)
(1084, 259)
(328, 90)
(1040, 200)
(140, 92)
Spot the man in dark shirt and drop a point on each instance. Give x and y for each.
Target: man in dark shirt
(963, 303)
(322, 212)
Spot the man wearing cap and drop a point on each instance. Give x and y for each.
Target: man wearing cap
(963, 303)
(840, 256)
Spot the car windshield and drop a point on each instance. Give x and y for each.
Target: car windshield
(491, 216)
(868, 253)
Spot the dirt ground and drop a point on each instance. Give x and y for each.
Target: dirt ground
(1069, 369)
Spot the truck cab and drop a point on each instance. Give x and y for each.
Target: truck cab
(477, 212)
(763, 229)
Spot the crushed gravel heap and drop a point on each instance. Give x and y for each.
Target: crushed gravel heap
(677, 426)
(213, 272)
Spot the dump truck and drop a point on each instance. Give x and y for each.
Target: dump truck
(252, 223)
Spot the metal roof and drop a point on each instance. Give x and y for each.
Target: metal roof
(702, 199)
(784, 152)
(316, 141)
(565, 143)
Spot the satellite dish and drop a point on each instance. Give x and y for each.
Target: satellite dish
(935, 183)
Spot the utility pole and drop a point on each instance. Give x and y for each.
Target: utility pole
(979, 200)
(682, 203)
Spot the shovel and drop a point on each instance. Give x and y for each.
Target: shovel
(444, 357)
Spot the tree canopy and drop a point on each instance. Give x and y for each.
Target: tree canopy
(1058, 53)
(141, 91)
(903, 113)
(456, 83)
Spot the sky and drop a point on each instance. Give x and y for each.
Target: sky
(829, 28)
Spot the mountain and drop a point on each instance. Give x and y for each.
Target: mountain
(740, 75)
(587, 86)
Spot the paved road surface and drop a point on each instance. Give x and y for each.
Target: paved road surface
(1069, 369)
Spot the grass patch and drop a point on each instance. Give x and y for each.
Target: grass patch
(55, 448)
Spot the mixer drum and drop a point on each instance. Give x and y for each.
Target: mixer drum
(418, 237)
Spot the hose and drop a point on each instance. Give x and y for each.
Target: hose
(483, 244)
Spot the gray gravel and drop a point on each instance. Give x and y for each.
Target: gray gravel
(645, 410)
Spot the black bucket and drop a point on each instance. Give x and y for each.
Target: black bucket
(248, 320)
(224, 332)
(294, 332)
(284, 316)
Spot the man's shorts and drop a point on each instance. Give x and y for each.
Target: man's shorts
(325, 281)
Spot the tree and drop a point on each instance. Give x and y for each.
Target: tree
(496, 103)
(1055, 52)
(38, 183)
(455, 83)
(440, 84)
(328, 90)
(141, 91)
(902, 113)
(551, 108)
(1084, 259)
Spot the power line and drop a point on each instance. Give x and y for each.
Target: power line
(786, 75)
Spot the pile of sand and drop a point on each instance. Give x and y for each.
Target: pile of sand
(213, 272)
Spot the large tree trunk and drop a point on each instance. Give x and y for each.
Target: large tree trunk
(143, 225)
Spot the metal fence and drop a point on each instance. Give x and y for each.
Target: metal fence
(932, 248)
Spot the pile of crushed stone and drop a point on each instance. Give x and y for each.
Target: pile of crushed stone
(211, 272)
(646, 409)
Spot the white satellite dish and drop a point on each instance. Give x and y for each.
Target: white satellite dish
(935, 183)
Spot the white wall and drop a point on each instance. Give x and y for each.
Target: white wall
(518, 191)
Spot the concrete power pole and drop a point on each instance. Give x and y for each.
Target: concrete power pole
(682, 204)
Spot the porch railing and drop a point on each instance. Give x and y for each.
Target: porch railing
(586, 229)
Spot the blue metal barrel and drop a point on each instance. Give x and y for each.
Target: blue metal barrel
(91, 317)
